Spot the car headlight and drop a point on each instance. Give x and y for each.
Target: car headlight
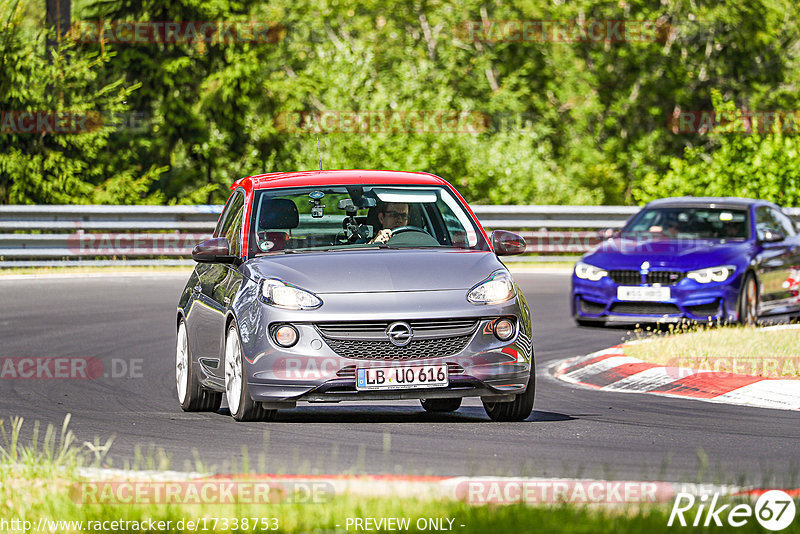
(712, 274)
(589, 272)
(283, 295)
(497, 288)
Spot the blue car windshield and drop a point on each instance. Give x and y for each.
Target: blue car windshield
(332, 218)
(690, 223)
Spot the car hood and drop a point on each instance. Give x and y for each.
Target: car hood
(685, 254)
(364, 271)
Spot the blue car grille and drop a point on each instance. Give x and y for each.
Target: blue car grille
(665, 278)
(645, 308)
(588, 306)
(634, 278)
(705, 310)
(626, 278)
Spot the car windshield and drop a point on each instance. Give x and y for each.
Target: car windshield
(690, 223)
(346, 217)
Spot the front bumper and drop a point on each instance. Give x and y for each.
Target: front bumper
(689, 300)
(312, 370)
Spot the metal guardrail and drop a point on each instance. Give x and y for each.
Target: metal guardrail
(164, 235)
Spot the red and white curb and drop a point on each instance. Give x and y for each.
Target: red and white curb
(611, 370)
(471, 490)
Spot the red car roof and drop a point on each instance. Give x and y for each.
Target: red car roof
(338, 177)
(335, 177)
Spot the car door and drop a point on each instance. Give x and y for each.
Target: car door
(775, 259)
(787, 293)
(206, 324)
(227, 284)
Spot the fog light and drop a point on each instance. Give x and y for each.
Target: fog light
(285, 335)
(504, 329)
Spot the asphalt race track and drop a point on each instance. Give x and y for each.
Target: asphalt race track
(127, 322)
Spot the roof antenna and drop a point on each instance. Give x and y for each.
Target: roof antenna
(319, 153)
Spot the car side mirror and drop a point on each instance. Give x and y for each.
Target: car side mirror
(507, 243)
(214, 250)
(772, 237)
(607, 233)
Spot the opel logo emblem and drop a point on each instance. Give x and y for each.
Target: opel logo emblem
(399, 334)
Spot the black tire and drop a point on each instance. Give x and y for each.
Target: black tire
(748, 301)
(441, 405)
(246, 409)
(196, 397)
(517, 410)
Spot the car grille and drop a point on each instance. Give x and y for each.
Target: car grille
(705, 310)
(645, 308)
(588, 306)
(376, 330)
(385, 350)
(665, 278)
(634, 278)
(626, 278)
(350, 370)
(367, 340)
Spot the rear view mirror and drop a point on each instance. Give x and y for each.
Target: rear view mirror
(772, 237)
(507, 243)
(607, 233)
(216, 249)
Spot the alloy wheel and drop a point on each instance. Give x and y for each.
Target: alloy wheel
(182, 363)
(233, 371)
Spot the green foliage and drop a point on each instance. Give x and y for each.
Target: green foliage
(50, 167)
(565, 122)
(748, 160)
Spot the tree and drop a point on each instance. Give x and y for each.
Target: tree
(752, 157)
(41, 95)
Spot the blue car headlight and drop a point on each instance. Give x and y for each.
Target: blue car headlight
(712, 274)
(283, 295)
(584, 271)
(497, 288)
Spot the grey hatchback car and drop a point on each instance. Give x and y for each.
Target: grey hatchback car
(330, 286)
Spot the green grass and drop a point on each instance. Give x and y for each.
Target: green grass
(38, 482)
(728, 349)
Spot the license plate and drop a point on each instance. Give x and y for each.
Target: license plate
(416, 376)
(652, 294)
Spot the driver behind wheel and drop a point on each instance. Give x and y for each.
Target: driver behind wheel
(390, 215)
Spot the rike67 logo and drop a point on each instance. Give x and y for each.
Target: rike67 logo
(774, 510)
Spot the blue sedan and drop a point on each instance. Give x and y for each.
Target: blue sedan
(697, 259)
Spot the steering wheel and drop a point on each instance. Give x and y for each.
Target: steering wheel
(407, 228)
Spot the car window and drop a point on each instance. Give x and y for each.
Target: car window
(785, 223)
(690, 223)
(766, 222)
(232, 207)
(234, 231)
(230, 223)
(331, 218)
